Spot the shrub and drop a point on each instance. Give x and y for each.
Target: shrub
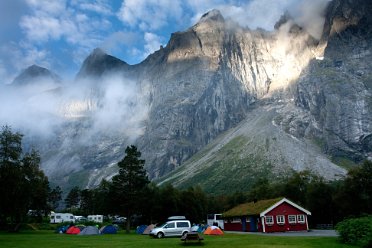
(357, 231)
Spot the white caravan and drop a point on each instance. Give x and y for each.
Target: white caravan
(95, 218)
(61, 217)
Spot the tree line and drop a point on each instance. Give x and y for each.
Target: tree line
(130, 193)
(328, 201)
(23, 185)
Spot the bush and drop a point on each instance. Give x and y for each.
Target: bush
(357, 231)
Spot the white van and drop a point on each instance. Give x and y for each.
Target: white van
(61, 217)
(171, 228)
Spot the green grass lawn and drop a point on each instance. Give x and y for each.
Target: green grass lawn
(29, 239)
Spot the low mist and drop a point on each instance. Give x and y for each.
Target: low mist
(63, 117)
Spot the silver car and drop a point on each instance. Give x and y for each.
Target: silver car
(171, 228)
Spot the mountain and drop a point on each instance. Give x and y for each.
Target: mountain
(34, 74)
(99, 63)
(223, 105)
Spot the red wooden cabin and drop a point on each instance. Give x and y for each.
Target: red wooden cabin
(273, 215)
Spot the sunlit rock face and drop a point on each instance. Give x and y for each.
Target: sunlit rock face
(206, 78)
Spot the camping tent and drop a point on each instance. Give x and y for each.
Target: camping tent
(140, 229)
(90, 230)
(213, 230)
(62, 229)
(109, 229)
(148, 229)
(73, 230)
(81, 227)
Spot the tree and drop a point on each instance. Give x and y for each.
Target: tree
(129, 185)
(54, 198)
(23, 185)
(72, 199)
(13, 202)
(36, 182)
(354, 196)
(87, 202)
(102, 200)
(10, 146)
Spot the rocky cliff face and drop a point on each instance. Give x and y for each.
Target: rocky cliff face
(222, 101)
(205, 80)
(336, 91)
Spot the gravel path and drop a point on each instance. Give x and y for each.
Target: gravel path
(311, 233)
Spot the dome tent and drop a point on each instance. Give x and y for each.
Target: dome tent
(109, 229)
(213, 230)
(90, 230)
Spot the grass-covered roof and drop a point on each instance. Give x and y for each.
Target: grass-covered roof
(250, 208)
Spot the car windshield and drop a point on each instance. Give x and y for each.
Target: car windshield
(162, 225)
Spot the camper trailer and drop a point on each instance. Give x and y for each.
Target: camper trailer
(61, 217)
(95, 218)
(215, 220)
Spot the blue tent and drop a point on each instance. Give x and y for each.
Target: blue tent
(109, 229)
(62, 229)
(141, 229)
(202, 228)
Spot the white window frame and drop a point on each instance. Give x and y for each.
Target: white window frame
(280, 219)
(301, 218)
(267, 220)
(236, 220)
(293, 221)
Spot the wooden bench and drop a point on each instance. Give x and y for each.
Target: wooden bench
(192, 236)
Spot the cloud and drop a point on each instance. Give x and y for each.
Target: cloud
(118, 39)
(150, 15)
(101, 7)
(310, 15)
(50, 27)
(152, 42)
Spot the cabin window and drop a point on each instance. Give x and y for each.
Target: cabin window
(58, 217)
(301, 218)
(236, 220)
(292, 219)
(269, 220)
(280, 219)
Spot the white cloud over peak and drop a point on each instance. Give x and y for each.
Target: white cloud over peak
(150, 15)
(58, 32)
(152, 43)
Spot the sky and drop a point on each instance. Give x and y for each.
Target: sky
(60, 34)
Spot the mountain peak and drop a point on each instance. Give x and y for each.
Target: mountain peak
(212, 15)
(34, 72)
(98, 52)
(98, 63)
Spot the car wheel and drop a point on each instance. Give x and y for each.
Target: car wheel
(160, 235)
(184, 233)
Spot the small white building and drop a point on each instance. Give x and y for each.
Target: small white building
(96, 218)
(61, 217)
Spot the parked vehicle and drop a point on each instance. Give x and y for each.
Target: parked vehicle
(95, 218)
(176, 218)
(119, 220)
(61, 217)
(79, 218)
(171, 228)
(215, 220)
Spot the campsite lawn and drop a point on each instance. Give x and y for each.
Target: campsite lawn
(39, 239)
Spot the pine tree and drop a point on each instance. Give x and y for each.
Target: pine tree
(129, 186)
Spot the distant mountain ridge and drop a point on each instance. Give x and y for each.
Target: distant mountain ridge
(224, 105)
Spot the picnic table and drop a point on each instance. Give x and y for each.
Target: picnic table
(192, 236)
